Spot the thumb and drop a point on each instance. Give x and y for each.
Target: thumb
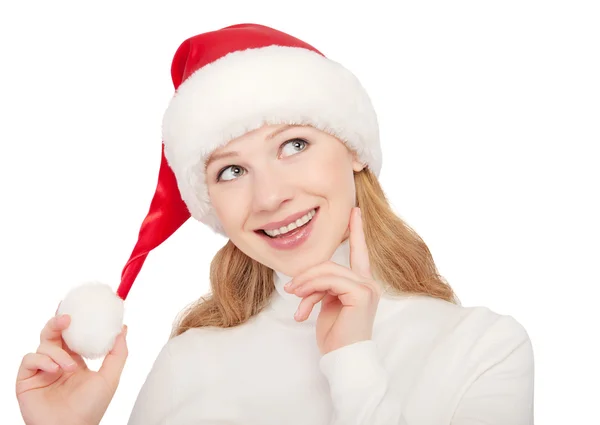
(114, 362)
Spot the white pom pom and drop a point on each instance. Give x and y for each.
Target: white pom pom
(96, 319)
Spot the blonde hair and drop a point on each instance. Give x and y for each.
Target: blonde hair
(241, 287)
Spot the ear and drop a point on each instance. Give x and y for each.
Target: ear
(356, 164)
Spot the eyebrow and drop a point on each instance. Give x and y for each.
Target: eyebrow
(281, 130)
(230, 154)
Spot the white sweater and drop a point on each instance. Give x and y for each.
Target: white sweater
(430, 362)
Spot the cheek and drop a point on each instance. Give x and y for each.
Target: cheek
(229, 207)
(333, 178)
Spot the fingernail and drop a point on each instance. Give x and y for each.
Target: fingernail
(124, 330)
(358, 212)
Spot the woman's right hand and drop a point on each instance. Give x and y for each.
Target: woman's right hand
(55, 386)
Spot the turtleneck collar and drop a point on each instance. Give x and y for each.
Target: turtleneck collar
(285, 304)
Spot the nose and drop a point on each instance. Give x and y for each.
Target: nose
(270, 190)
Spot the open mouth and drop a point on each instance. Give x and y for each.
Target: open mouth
(291, 228)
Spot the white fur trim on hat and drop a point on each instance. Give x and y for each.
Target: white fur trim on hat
(244, 90)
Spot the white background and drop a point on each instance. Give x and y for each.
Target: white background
(490, 122)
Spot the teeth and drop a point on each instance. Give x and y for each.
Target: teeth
(293, 225)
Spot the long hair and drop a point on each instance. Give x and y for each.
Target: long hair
(241, 287)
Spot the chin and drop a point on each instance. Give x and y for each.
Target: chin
(320, 241)
(305, 259)
(294, 270)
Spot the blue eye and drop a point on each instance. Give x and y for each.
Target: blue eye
(232, 172)
(236, 171)
(298, 145)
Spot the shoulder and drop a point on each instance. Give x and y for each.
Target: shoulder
(477, 329)
(471, 349)
(196, 341)
(208, 344)
(185, 364)
(182, 359)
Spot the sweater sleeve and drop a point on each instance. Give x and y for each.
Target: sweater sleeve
(155, 398)
(501, 393)
(359, 387)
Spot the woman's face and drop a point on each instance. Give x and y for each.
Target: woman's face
(259, 180)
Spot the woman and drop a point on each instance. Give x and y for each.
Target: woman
(326, 308)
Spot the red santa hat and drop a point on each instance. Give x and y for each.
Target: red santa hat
(227, 82)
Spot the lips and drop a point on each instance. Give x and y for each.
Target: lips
(277, 224)
(293, 239)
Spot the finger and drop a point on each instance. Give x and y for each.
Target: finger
(78, 359)
(325, 268)
(29, 376)
(33, 362)
(59, 356)
(40, 380)
(307, 304)
(114, 362)
(349, 292)
(52, 332)
(36, 376)
(359, 254)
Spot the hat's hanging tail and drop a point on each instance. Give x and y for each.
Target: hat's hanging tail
(167, 213)
(96, 310)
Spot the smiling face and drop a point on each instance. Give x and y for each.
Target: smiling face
(294, 182)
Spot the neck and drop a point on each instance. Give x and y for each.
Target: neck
(287, 303)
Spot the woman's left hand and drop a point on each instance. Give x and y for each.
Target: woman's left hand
(349, 296)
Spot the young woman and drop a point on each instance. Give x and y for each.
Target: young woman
(325, 308)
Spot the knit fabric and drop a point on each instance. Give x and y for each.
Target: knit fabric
(429, 362)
